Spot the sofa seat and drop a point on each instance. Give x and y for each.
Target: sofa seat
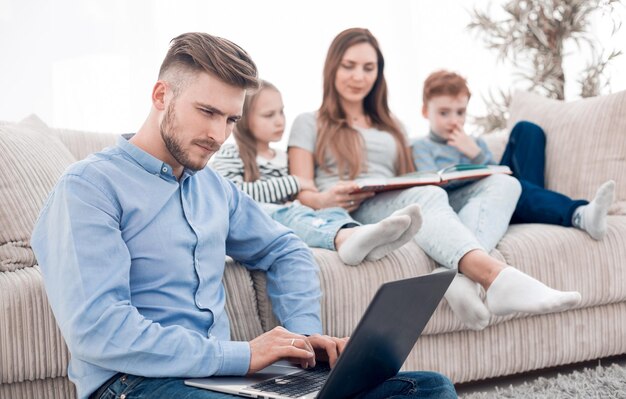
(563, 258)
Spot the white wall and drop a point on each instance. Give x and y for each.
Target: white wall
(91, 64)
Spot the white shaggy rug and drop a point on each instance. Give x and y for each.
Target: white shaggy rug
(595, 383)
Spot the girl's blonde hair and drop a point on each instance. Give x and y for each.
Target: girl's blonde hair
(335, 135)
(246, 142)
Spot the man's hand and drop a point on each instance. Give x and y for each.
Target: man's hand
(464, 143)
(327, 349)
(280, 344)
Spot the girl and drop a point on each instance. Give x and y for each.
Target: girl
(353, 135)
(261, 172)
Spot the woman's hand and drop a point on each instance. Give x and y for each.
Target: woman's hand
(340, 195)
(306, 184)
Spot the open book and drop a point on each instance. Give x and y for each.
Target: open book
(442, 177)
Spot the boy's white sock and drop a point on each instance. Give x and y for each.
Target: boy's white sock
(592, 217)
(514, 291)
(463, 296)
(414, 212)
(367, 237)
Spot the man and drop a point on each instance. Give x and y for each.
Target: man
(132, 243)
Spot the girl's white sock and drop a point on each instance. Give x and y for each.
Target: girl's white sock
(514, 291)
(369, 236)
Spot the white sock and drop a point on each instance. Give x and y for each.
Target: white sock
(463, 296)
(592, 217)
(367, 237)
(514, 291)
(414, 212)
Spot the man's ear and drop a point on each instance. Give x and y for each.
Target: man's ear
(158, 95)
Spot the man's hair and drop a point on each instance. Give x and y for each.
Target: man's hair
(200, 52)
(444, 83)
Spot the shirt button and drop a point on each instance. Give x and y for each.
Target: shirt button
(164, 170)
(122, 396)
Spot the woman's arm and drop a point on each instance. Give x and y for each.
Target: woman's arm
(301, 164)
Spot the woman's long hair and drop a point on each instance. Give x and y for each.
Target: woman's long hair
(246, 142)
(334, 132)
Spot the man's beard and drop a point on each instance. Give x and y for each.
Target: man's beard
(175, 146)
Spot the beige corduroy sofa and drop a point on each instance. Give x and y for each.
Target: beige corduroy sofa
(586, 145)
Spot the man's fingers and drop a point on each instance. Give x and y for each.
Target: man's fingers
(328, 345)
(341, 344)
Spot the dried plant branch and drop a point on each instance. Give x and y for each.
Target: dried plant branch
(532, 36)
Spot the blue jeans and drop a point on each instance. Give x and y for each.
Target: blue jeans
(485, 207)
(316, 228)
(525, 155)
(443, 236)
(418, 385)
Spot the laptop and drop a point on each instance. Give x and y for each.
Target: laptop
(377, 348)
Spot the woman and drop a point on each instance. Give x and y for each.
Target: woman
(261, 172)
(353, 135)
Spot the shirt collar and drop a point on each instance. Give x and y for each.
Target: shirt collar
(151, 164)
(437, 139)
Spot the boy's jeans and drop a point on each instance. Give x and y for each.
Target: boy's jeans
(525, 155)
(416, 385)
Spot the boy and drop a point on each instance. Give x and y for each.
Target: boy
(445, 100)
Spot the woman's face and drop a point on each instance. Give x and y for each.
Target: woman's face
(357, 73)
(267, 120)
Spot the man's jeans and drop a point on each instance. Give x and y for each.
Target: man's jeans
(417, 385)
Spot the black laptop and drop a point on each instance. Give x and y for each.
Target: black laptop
(375, 352)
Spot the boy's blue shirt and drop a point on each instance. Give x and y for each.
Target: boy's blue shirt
(432, 153)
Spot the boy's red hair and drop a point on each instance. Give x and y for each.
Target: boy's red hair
(444, 83)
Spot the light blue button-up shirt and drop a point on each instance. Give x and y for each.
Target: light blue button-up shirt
(133, 260)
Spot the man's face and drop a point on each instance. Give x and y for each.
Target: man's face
(198, 121)
(446, 114)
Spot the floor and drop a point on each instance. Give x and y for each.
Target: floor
(518, 379)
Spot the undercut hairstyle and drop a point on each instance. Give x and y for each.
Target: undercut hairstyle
(335, 135)
(200, 52)
(246, 142)
(444, 83)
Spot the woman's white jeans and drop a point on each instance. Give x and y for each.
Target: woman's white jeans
(471, 217)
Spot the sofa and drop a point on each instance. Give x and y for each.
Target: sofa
(586, 145)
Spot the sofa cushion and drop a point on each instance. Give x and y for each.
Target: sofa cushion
(31, 161)
(586, 141)
(31, 346)
(347, 290)
(568, 259)
(81, 143)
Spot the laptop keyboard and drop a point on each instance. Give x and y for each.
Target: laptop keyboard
(296, 384)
